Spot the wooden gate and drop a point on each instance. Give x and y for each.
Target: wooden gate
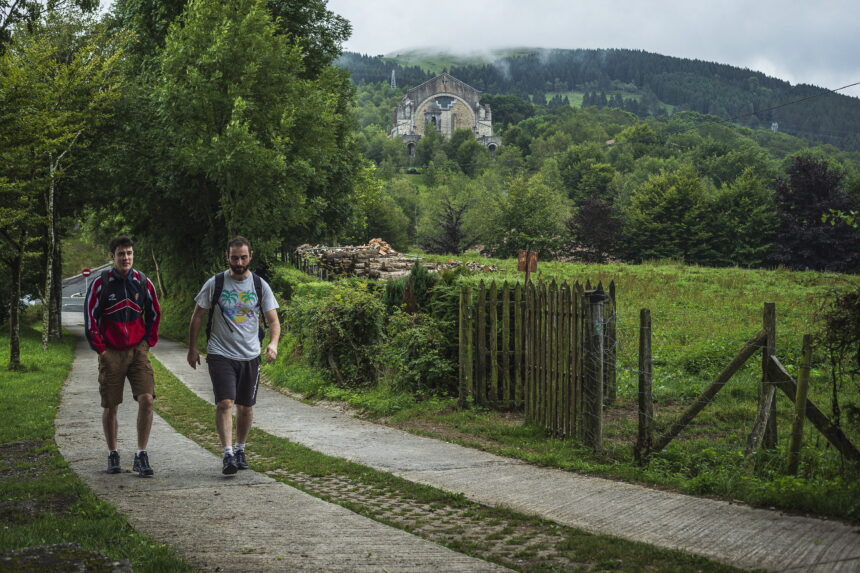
(544, 349)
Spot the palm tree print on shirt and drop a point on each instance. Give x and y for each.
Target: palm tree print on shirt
(230, 301)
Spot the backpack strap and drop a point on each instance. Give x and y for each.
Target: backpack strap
(258, 289)
(147, 301)
(216, 296)
(103, 291)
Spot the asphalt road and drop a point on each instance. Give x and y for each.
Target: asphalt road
(74, 290)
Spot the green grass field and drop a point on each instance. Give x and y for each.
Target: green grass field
(701, 317)
(43, 501)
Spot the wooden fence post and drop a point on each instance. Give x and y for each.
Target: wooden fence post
(462, 348)
(519, 347)
(505, 390)
(646, 400)
(610, 384)
(833, 433)
(529, 397)
(493, 393)
(470, 345)
(769, 438)
(764, 428)
(578, 362)
(564, 359)
(480, 389)
(800, 406)
(593, 379)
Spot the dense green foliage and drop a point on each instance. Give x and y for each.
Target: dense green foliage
(339, 331)
(59, 84)
(256, 141)
(600, 184)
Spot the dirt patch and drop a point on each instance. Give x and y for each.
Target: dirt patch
(23, 511)
(27, 461)
(63, 557)
(19, 458)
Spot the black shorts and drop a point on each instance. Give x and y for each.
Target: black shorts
(235, 380)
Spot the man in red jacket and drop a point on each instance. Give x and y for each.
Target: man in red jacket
(121, 320)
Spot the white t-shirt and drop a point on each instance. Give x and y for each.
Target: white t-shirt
(235, 320)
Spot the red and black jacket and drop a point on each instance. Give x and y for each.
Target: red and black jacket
(131, 312)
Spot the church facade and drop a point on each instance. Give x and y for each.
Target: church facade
(445, 104)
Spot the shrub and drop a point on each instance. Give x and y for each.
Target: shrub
(394, 290)
(414, 356)
(285, 280)
(339, 330)
(422, 283)
(316, 289)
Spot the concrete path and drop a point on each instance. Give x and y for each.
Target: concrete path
(248, 522)
(731, 533)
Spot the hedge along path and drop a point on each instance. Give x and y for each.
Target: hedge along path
(730, 533)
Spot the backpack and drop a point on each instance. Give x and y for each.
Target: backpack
(216, 297)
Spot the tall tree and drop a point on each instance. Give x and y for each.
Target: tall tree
(595, 231)
(450, 236)
(246, 144)
(318, 31)
(28, 12)
(62, 74)
(805, 239)
(663, 216)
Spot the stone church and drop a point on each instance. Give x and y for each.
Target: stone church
(446, 104)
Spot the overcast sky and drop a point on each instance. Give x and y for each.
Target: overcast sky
(815, 42)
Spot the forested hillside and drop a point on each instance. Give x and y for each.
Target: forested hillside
(643, 83)
(599, 184)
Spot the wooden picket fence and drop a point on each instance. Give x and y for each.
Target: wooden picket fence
(310, 267)
(545, 349)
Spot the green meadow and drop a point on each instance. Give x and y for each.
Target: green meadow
(701, 317)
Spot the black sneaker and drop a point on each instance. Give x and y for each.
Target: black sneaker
(113, 463)
(230, 466)
(141, 465)
(241, 462)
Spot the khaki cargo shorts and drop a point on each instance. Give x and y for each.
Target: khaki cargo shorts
(117, 365)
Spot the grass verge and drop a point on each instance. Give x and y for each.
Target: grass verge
(44, 502)
(514, 540)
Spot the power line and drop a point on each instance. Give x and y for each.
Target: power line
(807, 98)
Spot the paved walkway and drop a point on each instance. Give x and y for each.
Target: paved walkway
(731, 533)
(247, 522)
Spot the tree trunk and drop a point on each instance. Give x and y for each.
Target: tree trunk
(162, 292)
(48, 296)
(57, 307)
(15, 311)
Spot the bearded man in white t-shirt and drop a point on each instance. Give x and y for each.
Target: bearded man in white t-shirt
(233, 350)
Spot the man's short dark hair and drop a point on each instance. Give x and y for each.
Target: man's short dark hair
(239, 242)
(121, 241)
